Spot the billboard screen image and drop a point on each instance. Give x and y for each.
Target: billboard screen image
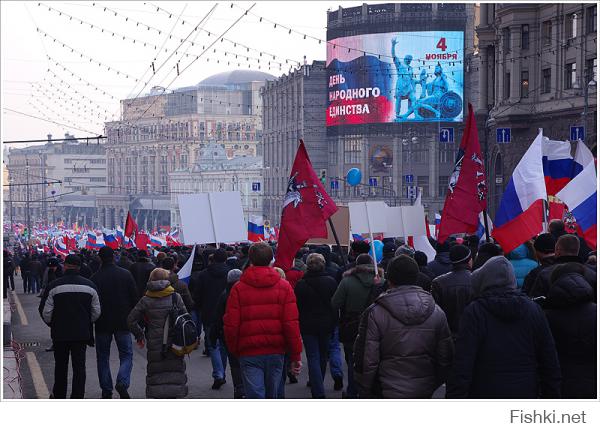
(395, 77)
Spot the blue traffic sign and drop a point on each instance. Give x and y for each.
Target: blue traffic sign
(447, 135)
(256, 187)
(503, 135)
(372, 181)
(577, 133)
(409, 178)
(335, 185)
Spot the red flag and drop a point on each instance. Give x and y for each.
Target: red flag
(306, 208)
(130, 226)
(141, 241)
(467, 189)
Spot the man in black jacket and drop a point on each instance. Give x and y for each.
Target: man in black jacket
(118, 296)
(140, 271)
(452, 291)
(504, 348)
(207, 286)
(543, 245)
(69, 306)
(566, 250)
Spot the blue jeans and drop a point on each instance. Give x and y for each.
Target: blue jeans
(103, 341)
(218, 355)
(261, 375)
(316, 347)
(335, 355)
(34, 284)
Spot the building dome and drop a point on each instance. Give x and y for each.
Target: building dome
(239, 76)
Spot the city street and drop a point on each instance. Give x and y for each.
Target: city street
(37, 365)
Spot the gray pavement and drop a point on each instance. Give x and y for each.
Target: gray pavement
(37, 366)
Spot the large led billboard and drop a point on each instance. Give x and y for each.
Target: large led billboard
(395, 77)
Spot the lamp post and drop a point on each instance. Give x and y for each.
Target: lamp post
(408, 144)
(591, 85)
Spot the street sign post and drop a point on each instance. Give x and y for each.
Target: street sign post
(577, 133)
(256, 187)
(447, 135)
(335, 185)
(503, 135)
(409, 178)
(373, 181)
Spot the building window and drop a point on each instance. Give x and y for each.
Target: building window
(506, 39)
(590, 70)
(546, 80)
(570, 75)
(352, 150)
(571, 26)
(547, 32)
(423, 183)
(524, 84)
(507, 85)
(525, 36)
(442, 186)
(590, 26)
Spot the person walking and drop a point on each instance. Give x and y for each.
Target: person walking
(521, 258)
(261, 325)
(317, 319)
(181, 288)
(357, 290)
(504, 348)
(543, 246)
(70, 306)
(441, 264)
(118, 296)
(165, 371)
(209, 285)
(572, 316)
(36, 271)
(52, 272)
(8, 274)
(404, 347)
(140, 271)
(452, 291)
(24, 268)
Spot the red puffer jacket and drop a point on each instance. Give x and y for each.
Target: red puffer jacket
(261, 316)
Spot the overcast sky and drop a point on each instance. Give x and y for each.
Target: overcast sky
(95, 91)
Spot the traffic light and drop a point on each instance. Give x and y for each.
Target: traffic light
(323, 177)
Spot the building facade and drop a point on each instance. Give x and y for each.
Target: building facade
(538, 70)
(56, 181)
(164, 132)
(293, 109)
(215, 172)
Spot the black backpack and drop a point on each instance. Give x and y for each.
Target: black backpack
(185, 333)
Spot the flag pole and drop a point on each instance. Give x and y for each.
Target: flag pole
(337, 241)
(485, 224)
(371, 234)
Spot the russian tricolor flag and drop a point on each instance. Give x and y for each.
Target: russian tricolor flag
(111, 241)
(256, 229)
(580, 195)
(157, 241)
(521, 211)
(91, 241)
(60, 248)
(185, 272)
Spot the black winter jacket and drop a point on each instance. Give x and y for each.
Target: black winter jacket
(441, 264)
(504, 347)
(452, 292)
(140, 271)
(69, 306)
(118, 295)
(542, 282)
(533, 274)
(206, 287)
(404, 348)
(313, 297)
(572, 317)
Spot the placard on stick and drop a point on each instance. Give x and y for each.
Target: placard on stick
(214, 217)
(341, 222)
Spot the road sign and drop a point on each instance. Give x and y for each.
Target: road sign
(409, 178)
(256, 187)
(503, 135)
(372, 181)
(577, 133)
(411, 192)
(335, 185)
(447, 135)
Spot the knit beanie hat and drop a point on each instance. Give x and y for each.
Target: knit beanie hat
(234, 275)
(544, 243)
(459, 254)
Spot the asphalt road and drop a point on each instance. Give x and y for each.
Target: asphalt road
(37, 366)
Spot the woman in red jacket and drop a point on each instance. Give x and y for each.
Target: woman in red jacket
(261, 325)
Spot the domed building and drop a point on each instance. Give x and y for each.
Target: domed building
(166, 131)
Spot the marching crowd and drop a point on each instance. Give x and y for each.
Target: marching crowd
(482, 322)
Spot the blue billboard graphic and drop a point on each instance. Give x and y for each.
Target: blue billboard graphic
(396, 77)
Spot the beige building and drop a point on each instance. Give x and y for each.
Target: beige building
(538, 70)
(165, 132)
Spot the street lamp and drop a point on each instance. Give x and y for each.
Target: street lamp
(591, 85)
(408, 144)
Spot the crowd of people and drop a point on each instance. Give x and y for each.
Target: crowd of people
(484, 322)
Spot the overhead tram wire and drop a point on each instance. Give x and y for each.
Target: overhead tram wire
(49, 121)
(193, 61)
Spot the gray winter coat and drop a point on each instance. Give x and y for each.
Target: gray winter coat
(165, 377)
(404, 348)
